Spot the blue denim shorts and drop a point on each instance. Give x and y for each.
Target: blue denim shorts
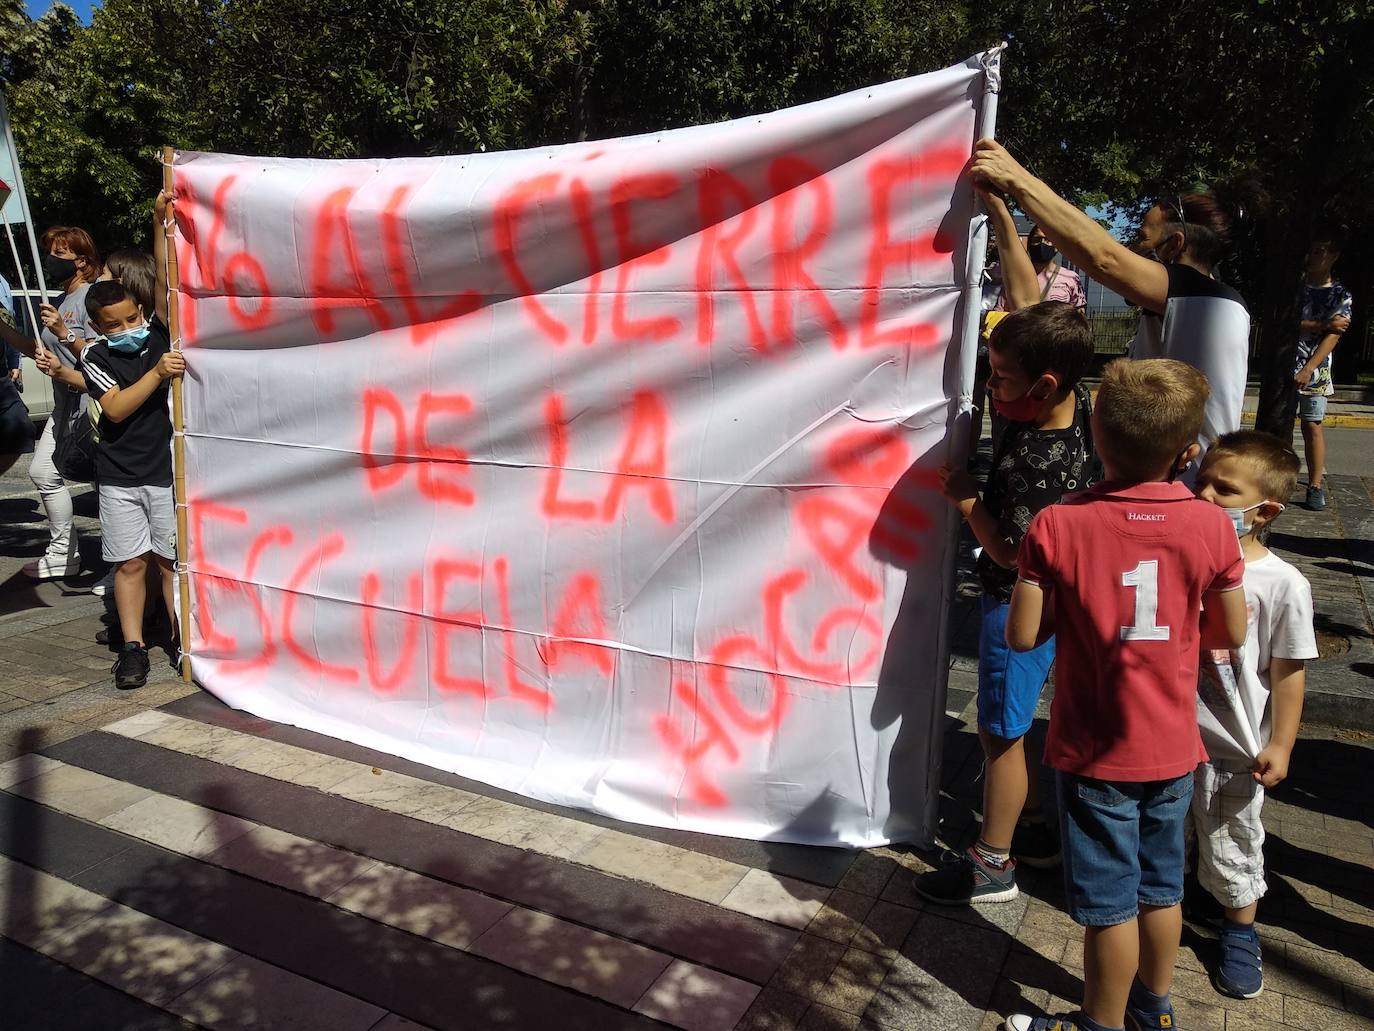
(1009, 683)
(1311, 407)
(1123, 845)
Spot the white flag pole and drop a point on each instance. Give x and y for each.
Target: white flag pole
(957, 434)
(23, 279)
(23, 197)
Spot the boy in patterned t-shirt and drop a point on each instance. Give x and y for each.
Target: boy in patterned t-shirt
(1325, 316)
(1045, 451)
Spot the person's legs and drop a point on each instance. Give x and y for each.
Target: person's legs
(130, 595)
(1110, 957)
(1164, 810)
(1004, 789)
(1099, 822)
(167, 571)
(1314, 444)
(162, 528)
(1161, 928)
(1311, 412)
(1227, 804)
(57, 505)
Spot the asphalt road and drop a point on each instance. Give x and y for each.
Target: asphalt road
(1348, 451)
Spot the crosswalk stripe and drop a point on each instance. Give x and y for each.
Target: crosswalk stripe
(590, 961)
(163, 965)
(732, 942)
(759, 893)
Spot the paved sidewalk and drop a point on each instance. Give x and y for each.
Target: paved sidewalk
(167, 862)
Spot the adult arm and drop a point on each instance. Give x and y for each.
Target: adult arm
(1078, 237)
(57, 326)
(118, 403)
(1286, 683)
(1223, 621)
(23, 344)
(1019, 284)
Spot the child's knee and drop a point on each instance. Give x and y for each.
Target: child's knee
(132, 567)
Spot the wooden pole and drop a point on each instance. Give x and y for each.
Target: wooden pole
(178, 440)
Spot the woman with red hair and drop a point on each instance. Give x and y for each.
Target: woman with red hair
(72, 264)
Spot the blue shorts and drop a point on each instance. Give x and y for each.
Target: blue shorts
(1123, 845)
(1009, 683)
(1311, 407)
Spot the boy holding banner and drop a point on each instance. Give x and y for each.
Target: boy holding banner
(128, 371)
(1043, 451)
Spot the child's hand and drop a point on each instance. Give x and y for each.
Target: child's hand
(1303, 375)
(46, 361)
(173, 363)
(1271, 766)
(165, 208)
(958, 487)
(1339, 324)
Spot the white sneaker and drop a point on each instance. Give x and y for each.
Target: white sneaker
(54, 566)
(104, 585)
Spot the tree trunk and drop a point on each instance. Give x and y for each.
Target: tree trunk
(1335, 98)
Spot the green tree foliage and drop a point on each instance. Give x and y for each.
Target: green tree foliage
(1130, 100)
(1112, 101)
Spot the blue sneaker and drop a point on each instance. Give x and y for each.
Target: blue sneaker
(1240, 973)
(1023, 1022)
(1147, 1012)
(1138, 1019)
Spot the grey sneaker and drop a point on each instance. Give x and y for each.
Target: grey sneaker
(968, 881)
(1316, 498)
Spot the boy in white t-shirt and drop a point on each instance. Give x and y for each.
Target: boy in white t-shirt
(1249, 699)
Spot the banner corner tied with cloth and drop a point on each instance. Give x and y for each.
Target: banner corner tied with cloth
(604, 473)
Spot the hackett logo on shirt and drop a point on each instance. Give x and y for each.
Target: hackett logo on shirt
(1145, 517)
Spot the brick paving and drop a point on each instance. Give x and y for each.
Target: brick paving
(167, 862)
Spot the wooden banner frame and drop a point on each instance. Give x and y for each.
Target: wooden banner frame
(169, 231)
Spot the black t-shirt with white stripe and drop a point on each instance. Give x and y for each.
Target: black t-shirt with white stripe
(138, 451)
(1206, 325)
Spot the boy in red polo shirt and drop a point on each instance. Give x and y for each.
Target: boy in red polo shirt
(1132, 577)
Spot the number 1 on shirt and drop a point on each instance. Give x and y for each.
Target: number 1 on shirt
(1145, 579)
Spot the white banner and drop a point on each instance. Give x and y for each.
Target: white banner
(602, 473)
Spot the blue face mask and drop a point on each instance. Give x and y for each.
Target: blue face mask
(130, 341)
(1238, 517)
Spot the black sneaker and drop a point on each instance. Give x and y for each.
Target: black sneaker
(968, 881)
(1035, 845)
(131, 668)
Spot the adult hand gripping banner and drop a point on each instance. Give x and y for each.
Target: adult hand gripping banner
(603, 473)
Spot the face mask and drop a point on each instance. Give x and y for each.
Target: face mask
(1024, 409)
(1238, 517)
(1041, 252)
(59, 270)
(130, 341)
